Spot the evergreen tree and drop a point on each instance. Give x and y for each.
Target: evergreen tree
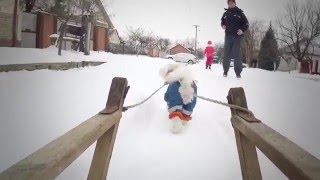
(269, 54)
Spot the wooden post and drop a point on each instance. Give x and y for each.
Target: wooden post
(102, 155)
(250, 167)
(52, 159)
(291, 159)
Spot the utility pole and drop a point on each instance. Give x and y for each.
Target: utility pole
(196, 39)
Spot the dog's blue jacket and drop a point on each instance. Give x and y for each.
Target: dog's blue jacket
(174, 99)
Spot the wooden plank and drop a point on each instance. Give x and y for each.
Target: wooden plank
(291, 159)
(102, 155)
(248, 157)
(52, 159)
(118, 90)
(250, 167)
(237, 96)
(49, 161)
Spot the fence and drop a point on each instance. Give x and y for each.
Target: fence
(52, 159)
(250, 133)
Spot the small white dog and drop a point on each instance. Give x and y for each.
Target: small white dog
(179, 95)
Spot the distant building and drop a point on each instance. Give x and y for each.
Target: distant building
(33, 30)
(179, 49)
(311, 63)
(154, 52)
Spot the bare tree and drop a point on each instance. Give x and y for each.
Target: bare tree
(140, 39)
(252, 39)
(188, 43)
(163, 44)
(29, 5)
(87, 9)
(135, 36)
(219, 51)
(64, 9)
(300, 27)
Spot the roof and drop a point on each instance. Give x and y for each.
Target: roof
(105, 14)
(114, 36)
(181, 46)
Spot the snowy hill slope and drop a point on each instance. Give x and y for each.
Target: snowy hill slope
(37, 107)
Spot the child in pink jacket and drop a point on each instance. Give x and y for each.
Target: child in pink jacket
(209, 53)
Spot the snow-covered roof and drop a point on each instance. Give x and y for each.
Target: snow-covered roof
(54, 36)
(104, 13)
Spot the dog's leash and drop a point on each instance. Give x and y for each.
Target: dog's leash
(140, 103)
(236, 107)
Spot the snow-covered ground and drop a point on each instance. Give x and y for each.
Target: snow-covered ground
(37, 107)
(48, 55)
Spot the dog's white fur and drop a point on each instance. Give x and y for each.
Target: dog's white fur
(179, 72)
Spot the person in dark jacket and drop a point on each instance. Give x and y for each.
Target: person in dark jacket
(235, 24)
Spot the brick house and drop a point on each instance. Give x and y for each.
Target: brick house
(310, 65)
(178, 49)
(33, 30)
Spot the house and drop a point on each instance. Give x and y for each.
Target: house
(33, 30)
(179, 49)
(311, 64)
(114, 37)
(315, 59)
(288, 64)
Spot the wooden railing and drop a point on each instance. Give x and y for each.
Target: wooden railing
(52, 159)
(292, 160)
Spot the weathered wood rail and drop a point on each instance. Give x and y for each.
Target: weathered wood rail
(291, 159)
(52, 159)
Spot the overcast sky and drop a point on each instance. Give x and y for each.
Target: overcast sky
(174, 19)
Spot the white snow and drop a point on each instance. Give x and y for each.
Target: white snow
(54, 35)
(49, 55)
(71, 39)
(39, 106)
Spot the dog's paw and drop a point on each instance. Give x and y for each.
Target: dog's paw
(177, 126)
(185, 123)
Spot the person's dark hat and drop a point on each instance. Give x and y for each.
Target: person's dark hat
(231, 1)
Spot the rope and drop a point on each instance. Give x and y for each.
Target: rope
(140, 103)
(225, 104)
(236, 107)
